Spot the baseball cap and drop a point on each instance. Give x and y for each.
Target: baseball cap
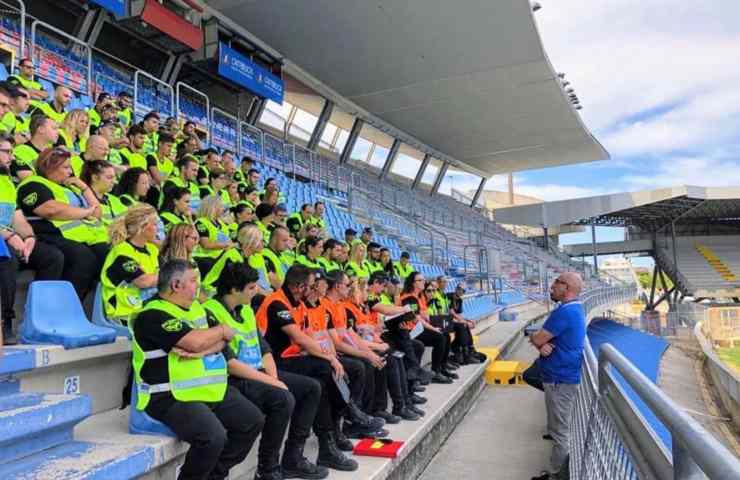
(350, 231)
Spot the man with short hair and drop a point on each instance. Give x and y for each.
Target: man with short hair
(373, 263)
(228, 164)
(5, 89)
(349, 236)
(181, 377)
(318, 215)
(96, 148)
(159, 164)
(25, 79)
(332, 253)
(151, 128)
(297, 220)
(44, 134)
(403, 267)
(298, 337)
(134, 155)
(124, 108)
(273, 255)
(212, 162)
(95, 113)
(15, 122)
(56, 109)
(560, 343)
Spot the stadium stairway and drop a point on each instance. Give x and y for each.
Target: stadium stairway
(76, 429)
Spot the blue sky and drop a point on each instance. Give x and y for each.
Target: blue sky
(660, 84)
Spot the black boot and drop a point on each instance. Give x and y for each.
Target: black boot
(448, 373)
(405, 414)
(416, 410)
(362, 420)
(389, 418)
(439, 377)
(295, 465)
(352, 431)
(415, 399)
(268, 474)
(341, 440)
(459, 358)
(331, 457)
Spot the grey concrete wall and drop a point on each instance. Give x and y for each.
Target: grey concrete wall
(726, 381)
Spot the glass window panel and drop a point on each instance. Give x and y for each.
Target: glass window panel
(274, 115)
(459, 184)
(407, 163)
(341, 140)
(303, 125)
(379, 156)
(430, 173)
(372, 147)
(361, 150)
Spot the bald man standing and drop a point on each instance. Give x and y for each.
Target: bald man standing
(560, 343)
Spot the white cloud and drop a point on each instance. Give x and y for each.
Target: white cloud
(660, 85)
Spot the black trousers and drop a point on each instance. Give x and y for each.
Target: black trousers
(46, 260)
(82, 263)
(296, 406)
(390, 380)
(220, 434)
(533, 376)
(439, 343)
(412, 349)
(357, 372)
(463, 337)
(330, 401)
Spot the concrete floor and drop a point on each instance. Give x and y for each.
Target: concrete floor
(500, 437)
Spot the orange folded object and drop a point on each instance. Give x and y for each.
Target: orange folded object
(378, 447)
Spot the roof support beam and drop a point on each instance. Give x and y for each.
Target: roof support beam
(351, 140)
(323, 121)
(440, 177)
(422, 169)
(478, 192)
(392, 154)
(255, 111)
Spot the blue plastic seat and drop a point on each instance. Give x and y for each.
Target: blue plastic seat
(3, 72)
(99, 318)
(140, 423)
(60, 321)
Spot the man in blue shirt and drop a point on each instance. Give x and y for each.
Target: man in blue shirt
(560, 343)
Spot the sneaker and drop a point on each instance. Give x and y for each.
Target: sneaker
(418, 389)
(302, 468)
(362, 419)
(274, 474)
(358, 433)
(389, 418)
(451, 365)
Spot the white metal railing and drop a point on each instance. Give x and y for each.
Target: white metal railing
(610, 438)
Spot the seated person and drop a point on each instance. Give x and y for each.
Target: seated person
(100, 175)
(184, 177)
(129, 274)
(297, 220)
(214, 233)
(182, 377)
(265, 215)
(249, 246)
(26, 251)
(133, 186)
(160, 166)
(273, 255)
(218, 181)
(329, 258)
(44, 134)
(356, 267)
(66, 214)
(176, 208)
(282, 397)
(311, 250)
(462, 347)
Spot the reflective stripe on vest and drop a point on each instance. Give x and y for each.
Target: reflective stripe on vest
(190, 379)
(245, 343)
(124, 300)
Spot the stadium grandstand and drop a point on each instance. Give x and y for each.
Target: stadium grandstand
(241, 172)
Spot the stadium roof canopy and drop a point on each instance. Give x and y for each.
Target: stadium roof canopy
(467, 82)
(648, 210)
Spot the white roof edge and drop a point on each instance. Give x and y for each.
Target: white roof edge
(561, 212)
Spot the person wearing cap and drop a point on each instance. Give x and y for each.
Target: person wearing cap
(403, 267)
(104, 99)
(349, 236)
(15, 122)
(151, 130)
(56, 109)
(44, 133)
(25, 79)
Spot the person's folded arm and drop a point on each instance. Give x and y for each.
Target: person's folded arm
(203, 340)
(54, 210)
(147, 280)
(540, 337)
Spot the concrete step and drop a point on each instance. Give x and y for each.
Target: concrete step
(32, 422)
(78, 460)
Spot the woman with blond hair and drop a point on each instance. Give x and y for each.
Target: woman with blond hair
(179, 244)
(73, 135)
(213, 233)
(249, 246)
(356, 265)
(129, 273)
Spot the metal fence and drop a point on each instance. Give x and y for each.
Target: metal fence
(610, 438)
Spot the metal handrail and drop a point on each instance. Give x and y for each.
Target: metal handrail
(237, 129)
(141, 73)
(22, 39)
(63, 34)
(179, 88)
(694, 448)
